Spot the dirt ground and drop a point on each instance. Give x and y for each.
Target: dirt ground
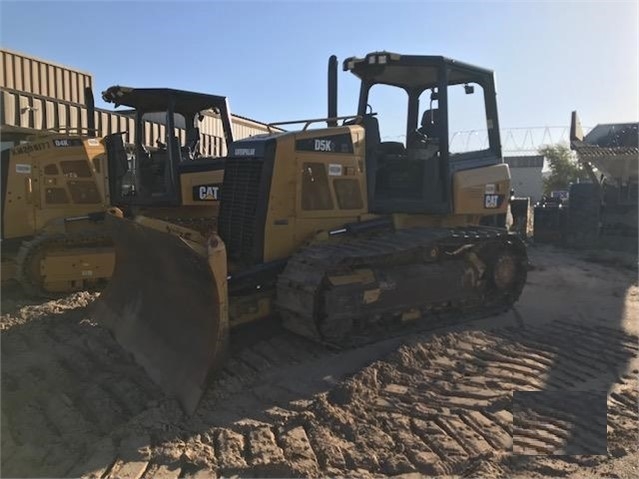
(529, 393)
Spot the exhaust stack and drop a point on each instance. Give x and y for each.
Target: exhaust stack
(90, 103)
(332, 90)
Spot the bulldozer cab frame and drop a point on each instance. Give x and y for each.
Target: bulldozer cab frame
(417, 178)
(153, 173)
(51, 176)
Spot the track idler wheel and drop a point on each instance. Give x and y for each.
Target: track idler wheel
(505, 271)
(508, 270)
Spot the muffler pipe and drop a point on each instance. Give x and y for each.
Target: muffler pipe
(90, 104)
(332, 91)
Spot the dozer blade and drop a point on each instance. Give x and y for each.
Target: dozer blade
(166, 303)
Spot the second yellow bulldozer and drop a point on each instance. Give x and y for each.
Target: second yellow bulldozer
(346, 237)
(57, 186)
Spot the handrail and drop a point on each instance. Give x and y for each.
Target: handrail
(308, 122)
(61, 130)
(70, 128)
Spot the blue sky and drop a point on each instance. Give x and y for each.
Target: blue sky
(270, 58)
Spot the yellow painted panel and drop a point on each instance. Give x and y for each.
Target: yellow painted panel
(189, 180)
(78, 265)
(287, 225)
(470, 186)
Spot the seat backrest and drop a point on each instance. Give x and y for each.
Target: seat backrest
(430, 125)
(396, 148)
(373, 138)
(193, 143)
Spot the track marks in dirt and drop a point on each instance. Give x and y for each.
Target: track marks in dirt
(438, 405)
(66, 384)
(560, 422)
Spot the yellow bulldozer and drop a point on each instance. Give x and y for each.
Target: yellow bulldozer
(57, 186)
(344, 236)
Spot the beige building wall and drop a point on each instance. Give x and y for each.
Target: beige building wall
(27, 74)
(37, 95)
(526, 176)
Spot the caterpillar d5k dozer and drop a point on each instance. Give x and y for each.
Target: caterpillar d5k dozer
(344, 236)
(57, 186)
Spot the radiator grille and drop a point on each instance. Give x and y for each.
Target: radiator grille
(240, 197)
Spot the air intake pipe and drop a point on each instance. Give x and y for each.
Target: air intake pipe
(332, 90)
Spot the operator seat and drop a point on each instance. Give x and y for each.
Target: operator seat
(371, 127)
(392, 149)
(427, 135)
(373, 138)
(192, 148)
(430, 125)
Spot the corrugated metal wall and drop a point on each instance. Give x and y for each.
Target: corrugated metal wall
(30, 75)
(30, 113)
(39, 95)
(243, 128)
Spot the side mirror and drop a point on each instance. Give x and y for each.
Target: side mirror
(469, 89)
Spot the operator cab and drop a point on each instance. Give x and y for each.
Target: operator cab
(161, 151)
(415, 175)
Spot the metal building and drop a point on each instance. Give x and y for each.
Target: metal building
(38, 95)
(526, 176)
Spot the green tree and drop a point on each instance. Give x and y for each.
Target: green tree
(564, 168)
